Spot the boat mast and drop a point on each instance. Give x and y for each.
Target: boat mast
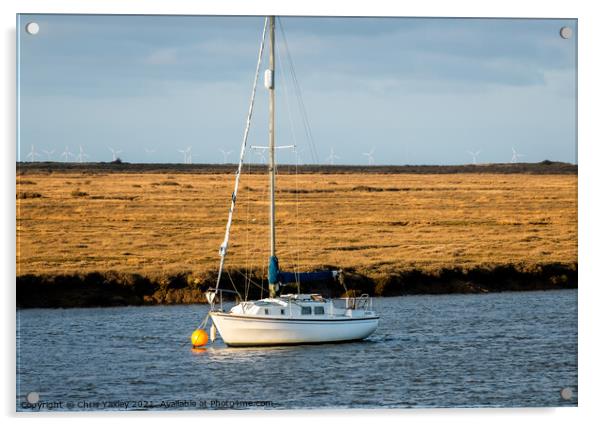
(271, 144)
(270, 84)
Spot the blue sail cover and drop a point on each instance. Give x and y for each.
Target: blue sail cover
(277, 276)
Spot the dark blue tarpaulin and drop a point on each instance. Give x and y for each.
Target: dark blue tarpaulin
(277, 276)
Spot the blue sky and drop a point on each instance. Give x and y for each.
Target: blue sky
(415, 91)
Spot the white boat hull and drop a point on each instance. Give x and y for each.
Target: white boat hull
(241, 330)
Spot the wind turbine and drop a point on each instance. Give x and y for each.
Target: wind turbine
(225, 154)
(150, 151)
(48, 154)
(332, 157)
(66, 155)
(114, 152)
(474, 156)
(32, 154)
(261, 154)
(80, 157)
(187, 155)
(515, 156)
(370, 156)
(183, 151)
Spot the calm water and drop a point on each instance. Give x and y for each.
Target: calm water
(509, 349)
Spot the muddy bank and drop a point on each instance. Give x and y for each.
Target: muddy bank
(122, 289)
(544, 167)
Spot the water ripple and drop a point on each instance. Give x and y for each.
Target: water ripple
(494, 350)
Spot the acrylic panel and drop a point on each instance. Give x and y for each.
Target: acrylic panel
(247, 212)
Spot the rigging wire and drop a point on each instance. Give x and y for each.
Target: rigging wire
(305, 121)
(234, 285)
(259, 286)
(224, 246)
(312, 146)
(295, 143)
(297, 89)
(253, 247)
(247, 286)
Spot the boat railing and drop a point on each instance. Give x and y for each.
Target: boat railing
(363, 302)
(211, 294)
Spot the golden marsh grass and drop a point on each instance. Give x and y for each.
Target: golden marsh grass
(161, 223)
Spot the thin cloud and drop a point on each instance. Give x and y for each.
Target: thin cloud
(162, 57)
(431, 84)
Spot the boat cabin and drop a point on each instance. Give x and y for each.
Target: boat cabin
(305, 306)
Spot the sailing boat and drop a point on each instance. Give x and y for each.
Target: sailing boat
(289, 318)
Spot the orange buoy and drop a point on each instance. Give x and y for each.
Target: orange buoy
(199, 338)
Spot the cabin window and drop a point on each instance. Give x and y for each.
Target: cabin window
(281, 311)
(266, 311)
(319, 310)
(305, 310)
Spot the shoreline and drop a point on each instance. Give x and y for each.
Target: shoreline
(111, 288)
(545, 167)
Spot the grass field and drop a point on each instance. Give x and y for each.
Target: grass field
(161, 223)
